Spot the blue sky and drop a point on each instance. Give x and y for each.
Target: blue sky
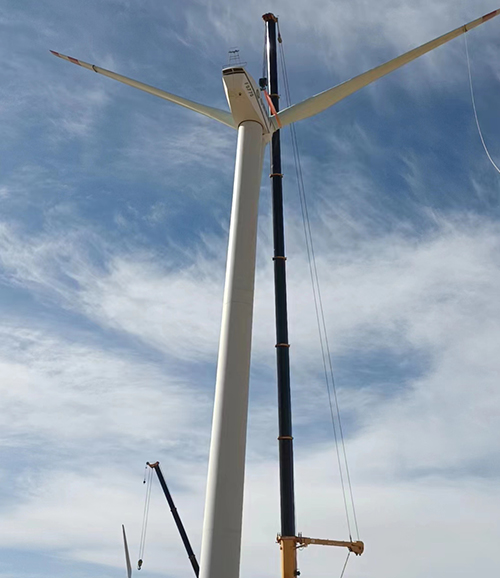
(114, 212)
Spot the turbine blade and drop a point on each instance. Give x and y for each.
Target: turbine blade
(221, 115)
(324, 100)
(127, 555)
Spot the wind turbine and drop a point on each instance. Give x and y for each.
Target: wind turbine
(221, 539)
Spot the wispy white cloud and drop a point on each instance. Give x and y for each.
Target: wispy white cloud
(435, 294)
(434, 297)
(70, 110)
(347, 37)
(63, 391)
(165, 148)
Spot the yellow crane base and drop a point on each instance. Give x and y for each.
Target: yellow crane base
(290, 544)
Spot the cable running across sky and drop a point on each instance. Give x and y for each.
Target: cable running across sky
(474, 108)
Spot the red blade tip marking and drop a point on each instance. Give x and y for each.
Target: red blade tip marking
(73, 60)
(55, 53)
(490, 15)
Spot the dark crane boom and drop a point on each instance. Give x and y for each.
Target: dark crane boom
(177, 518)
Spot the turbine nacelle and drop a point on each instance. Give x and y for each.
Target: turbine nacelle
(244, 99)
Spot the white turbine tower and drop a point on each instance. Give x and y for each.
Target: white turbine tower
(221, 540)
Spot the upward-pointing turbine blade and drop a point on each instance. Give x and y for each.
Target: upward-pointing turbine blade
(220, 115)
(127, 555)
(324, 100)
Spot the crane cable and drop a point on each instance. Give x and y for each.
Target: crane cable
(474, 107)
(148, 479)
(320, 318)
(345, 564)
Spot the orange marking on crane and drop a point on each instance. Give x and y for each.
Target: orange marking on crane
(271, 107)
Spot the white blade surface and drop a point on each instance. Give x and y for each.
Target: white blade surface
(324, 100)
(127, 555)
(221, 115)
